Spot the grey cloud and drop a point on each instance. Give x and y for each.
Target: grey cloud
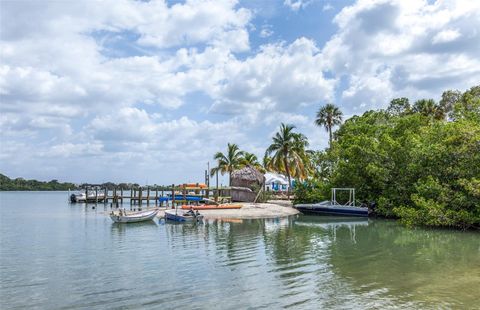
(379, 18)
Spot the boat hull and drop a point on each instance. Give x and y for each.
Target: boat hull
(90, 198)
(324, 209)
(135, 217)
(180, 216)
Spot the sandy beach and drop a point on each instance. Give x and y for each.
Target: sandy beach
(272, 209)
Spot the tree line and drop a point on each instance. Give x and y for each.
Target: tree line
(417, 162)
(20, 184)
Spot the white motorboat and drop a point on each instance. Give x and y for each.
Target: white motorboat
(123, 216)
(91, 197)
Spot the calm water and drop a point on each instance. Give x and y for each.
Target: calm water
(57, 256)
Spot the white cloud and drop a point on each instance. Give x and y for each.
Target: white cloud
(279, 77)
(445, 36)
(296, 5)
(114, 81)
(327, 7)
(266, 31)
(385, 49)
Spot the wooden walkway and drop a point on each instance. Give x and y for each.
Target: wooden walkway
(139, 196)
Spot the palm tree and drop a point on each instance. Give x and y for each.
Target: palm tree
(329, 116)
(229, 162)
(267, 162)
(250, 159)
(288, 152)
(429, 108)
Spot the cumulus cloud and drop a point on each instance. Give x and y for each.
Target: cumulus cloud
(386, 49)
(83, 83)
(280, 77)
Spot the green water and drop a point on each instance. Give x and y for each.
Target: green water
(60, 256)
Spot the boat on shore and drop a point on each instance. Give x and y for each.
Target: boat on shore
(123, 216)
(183, 216)
(332, 207)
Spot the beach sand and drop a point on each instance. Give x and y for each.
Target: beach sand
(272, 209)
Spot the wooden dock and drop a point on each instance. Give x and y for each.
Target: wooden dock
(145, 195)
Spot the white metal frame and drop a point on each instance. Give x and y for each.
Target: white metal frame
(351, 196)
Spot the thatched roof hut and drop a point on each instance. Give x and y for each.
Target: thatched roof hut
(248, 177)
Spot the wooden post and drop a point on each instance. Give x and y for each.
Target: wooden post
(96, 194)
(216, 197)
(161, 202)
(105, 200)
(184, 192)
(148, 195)
(86, 193)
(121, 194)
(173, 196)
(131, 195)
(140, 197)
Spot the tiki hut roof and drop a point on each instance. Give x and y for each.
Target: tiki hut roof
(246, 177)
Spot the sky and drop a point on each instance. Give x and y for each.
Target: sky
(147, 91)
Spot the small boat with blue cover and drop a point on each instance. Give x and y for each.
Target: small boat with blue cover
(183, 216)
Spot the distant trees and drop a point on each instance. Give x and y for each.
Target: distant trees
(329, 116)
(20, 184)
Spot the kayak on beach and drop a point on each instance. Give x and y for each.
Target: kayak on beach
(211, 207)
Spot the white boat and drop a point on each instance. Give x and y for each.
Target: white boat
(91, 197)
(332, 207)
(133, 217)
(182, 216)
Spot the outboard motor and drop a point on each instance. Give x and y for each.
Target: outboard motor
(73, 198)
(371, 207)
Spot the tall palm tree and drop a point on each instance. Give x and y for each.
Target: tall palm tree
(287, 150)
(299, 161)
(329, 116)
(229, 162)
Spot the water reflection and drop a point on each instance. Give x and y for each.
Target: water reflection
(119, 229)
(305, 262)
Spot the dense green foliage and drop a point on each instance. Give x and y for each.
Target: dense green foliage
(20, 184)
(420, 164)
